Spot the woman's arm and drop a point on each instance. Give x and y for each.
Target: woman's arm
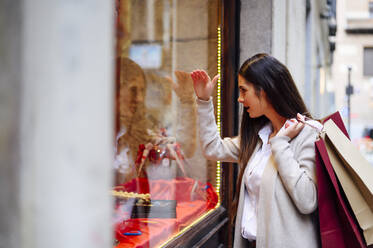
(214, 147)
(186, 134)
(297, 168)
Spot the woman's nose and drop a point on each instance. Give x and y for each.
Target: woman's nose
(139, 97)
(240, 99)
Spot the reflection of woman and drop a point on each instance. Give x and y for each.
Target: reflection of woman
(137, 124)
(277, 190)
(132, 124)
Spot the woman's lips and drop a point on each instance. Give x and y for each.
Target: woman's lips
(133, 108)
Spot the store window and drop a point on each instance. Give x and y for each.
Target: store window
(163, 184)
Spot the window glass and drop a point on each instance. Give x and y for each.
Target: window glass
(163, 183)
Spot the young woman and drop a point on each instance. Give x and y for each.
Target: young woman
(277, 193)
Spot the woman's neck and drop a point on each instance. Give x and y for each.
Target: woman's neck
(276, 120)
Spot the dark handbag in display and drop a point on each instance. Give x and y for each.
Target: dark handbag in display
(154, 209)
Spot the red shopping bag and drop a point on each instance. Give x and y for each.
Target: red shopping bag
(338, 225)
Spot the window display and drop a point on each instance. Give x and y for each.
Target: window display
(163, 184)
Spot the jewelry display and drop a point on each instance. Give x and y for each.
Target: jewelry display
(126, 195)
(162, 149)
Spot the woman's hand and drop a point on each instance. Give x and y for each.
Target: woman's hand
(203, 86)
(183, 88)
(292, 128)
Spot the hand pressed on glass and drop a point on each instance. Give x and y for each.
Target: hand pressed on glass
(183, 86)
(203, 86)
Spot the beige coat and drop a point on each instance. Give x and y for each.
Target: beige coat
(288, 194)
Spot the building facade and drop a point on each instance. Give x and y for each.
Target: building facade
(354, 50)
(352, 71)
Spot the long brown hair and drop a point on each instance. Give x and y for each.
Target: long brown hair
(270, 75)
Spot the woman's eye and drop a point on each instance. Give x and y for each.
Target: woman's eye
(133, 91)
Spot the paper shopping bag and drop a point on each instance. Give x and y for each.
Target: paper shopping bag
(338, 225)
(357, 166)
(347, 166)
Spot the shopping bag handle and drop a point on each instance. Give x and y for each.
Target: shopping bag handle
(303, 119)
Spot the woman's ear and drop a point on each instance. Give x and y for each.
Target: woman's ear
(264, 99)
(263, 95)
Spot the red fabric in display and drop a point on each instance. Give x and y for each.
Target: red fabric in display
(193, 199)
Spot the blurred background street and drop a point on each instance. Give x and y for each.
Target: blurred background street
(353, 62)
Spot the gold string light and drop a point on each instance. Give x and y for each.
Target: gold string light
(218, 113)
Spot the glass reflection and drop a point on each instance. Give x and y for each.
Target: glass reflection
(162, 182)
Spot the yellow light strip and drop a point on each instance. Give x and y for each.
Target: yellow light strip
(218, 163)
(218, 113)
(188, 227)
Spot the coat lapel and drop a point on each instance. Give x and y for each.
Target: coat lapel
(266, 193)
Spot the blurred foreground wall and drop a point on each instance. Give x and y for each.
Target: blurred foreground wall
(56, 123)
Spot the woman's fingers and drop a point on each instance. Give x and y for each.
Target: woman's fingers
(299, 127)
(197, 75)
(301, 117)
(204, 77)
(193, 75)
(171, 82)
(200, 76)
(215, 79)
(296, 129)
(177, 74)
(292, 128)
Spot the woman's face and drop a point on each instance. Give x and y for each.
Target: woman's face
(256, 105)
(131, 95)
